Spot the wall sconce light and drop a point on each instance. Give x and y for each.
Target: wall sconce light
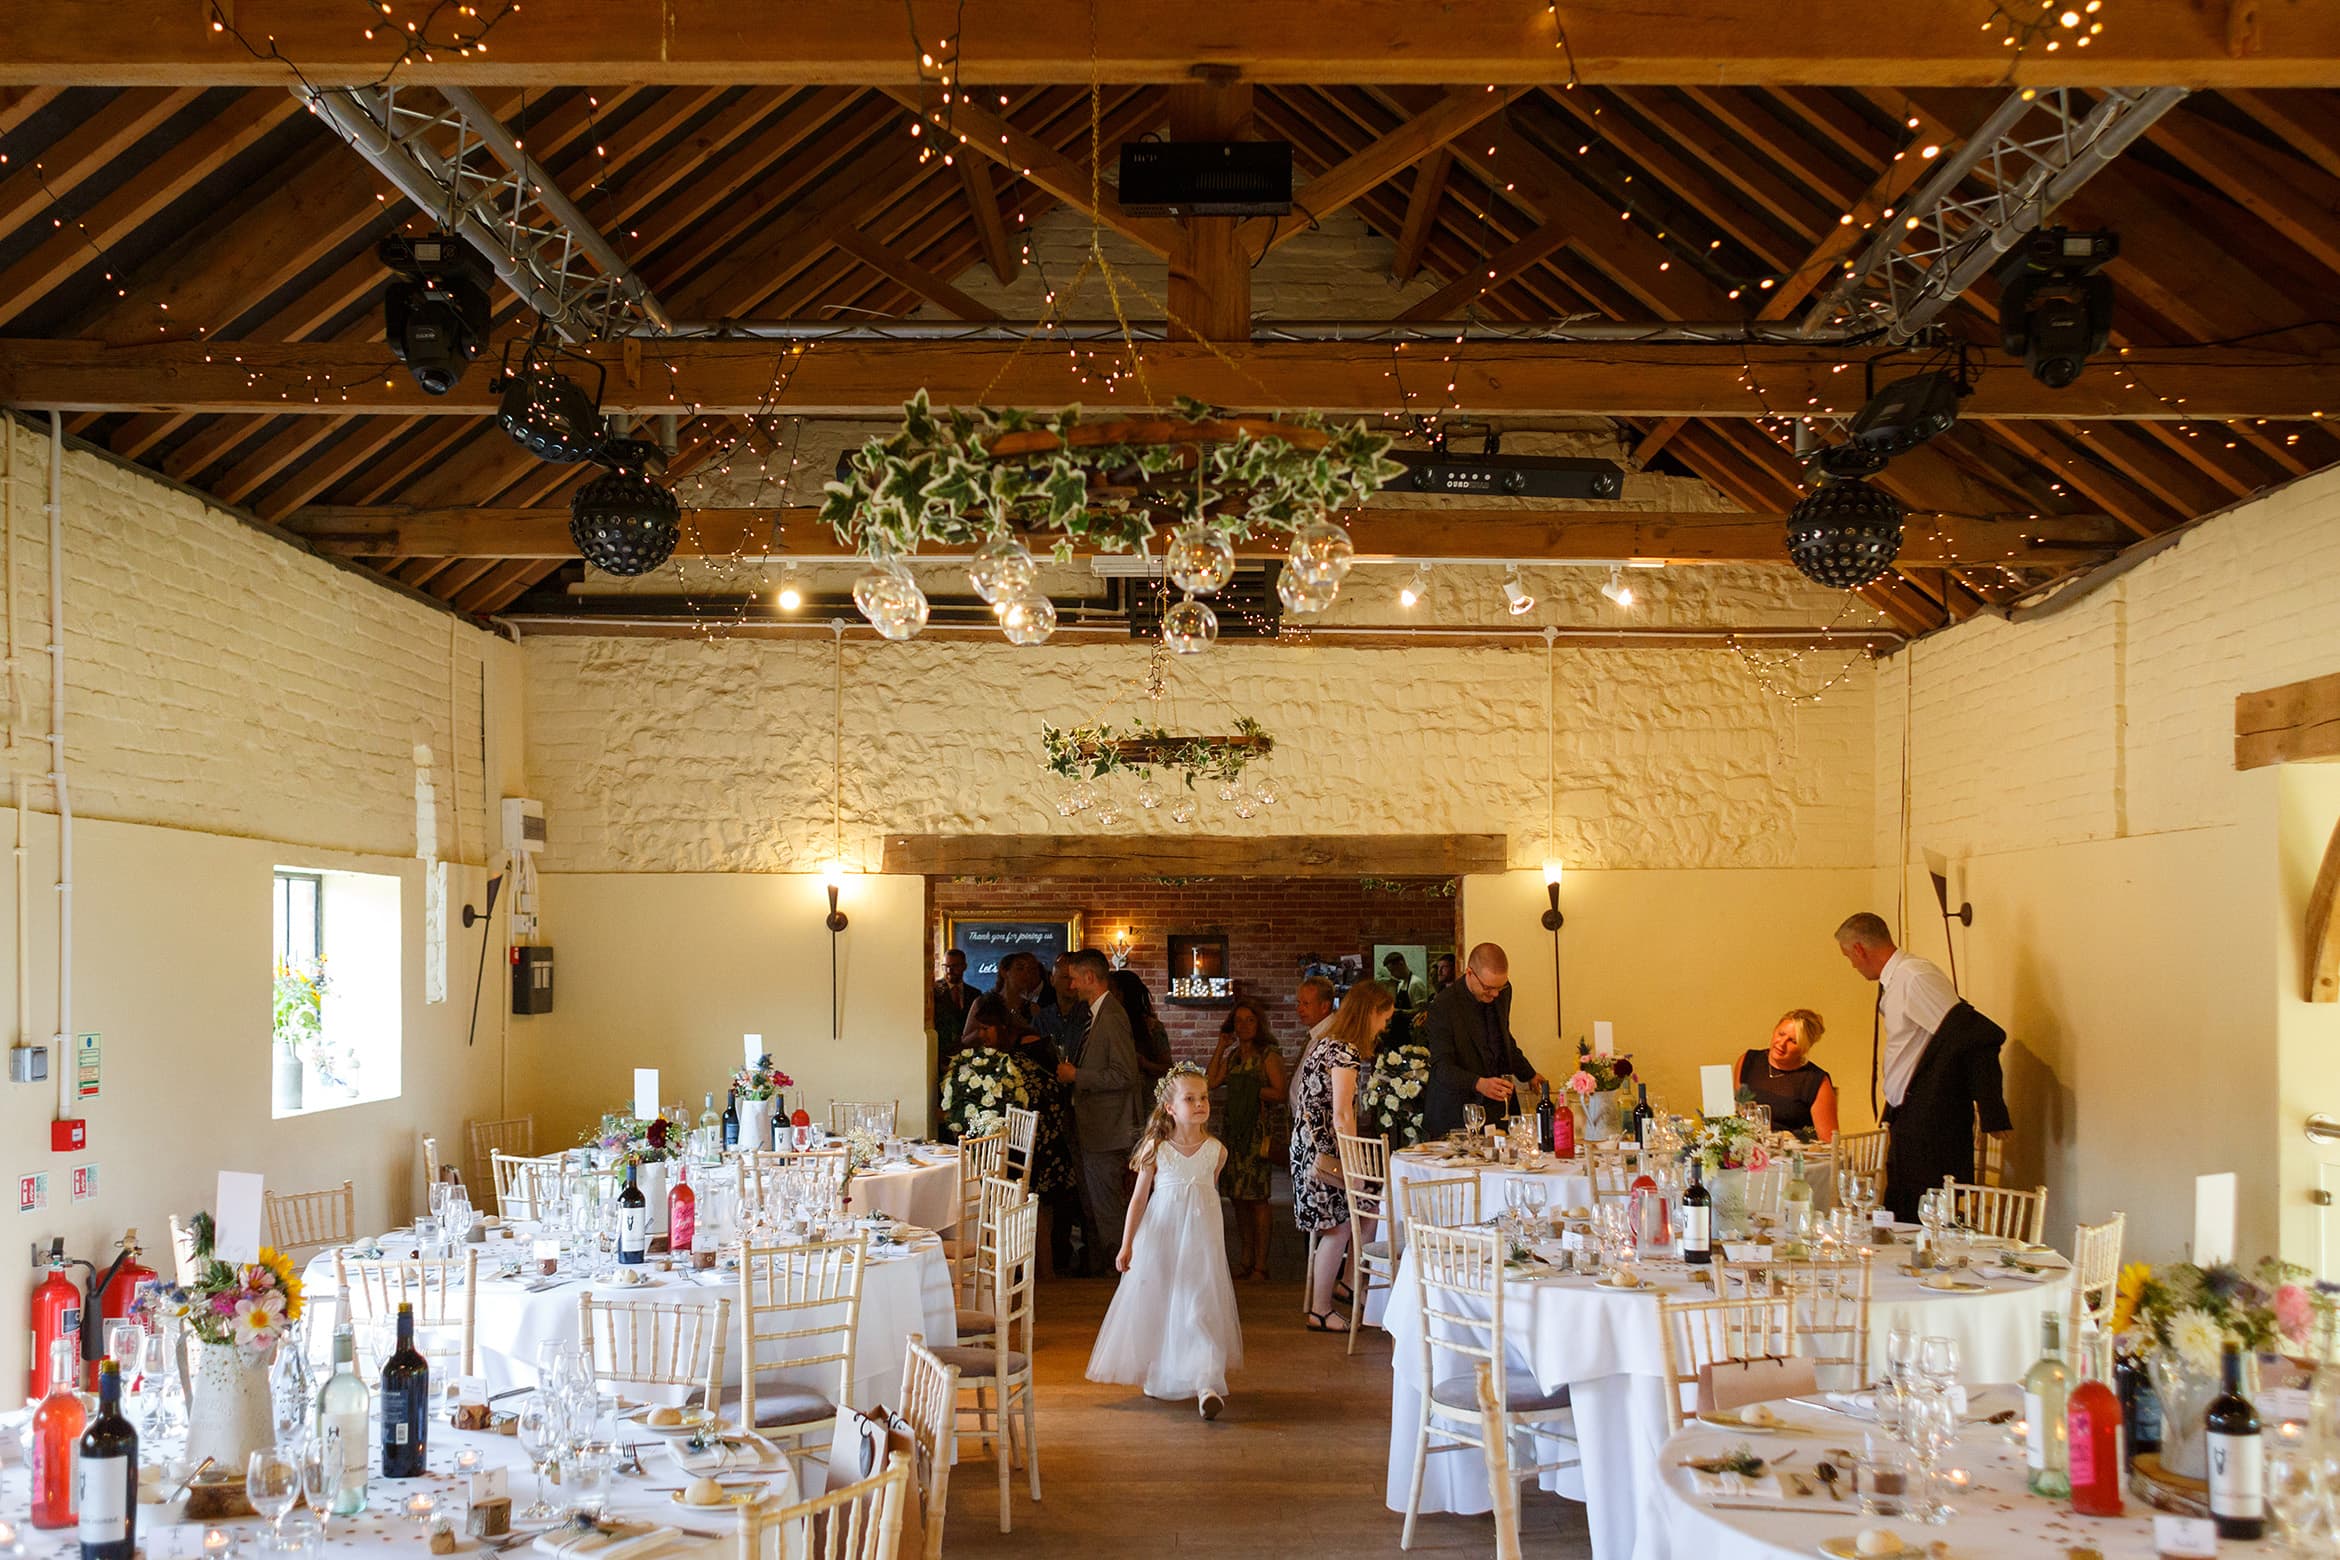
(833, 878)
(1121, 949)
(1552, 922)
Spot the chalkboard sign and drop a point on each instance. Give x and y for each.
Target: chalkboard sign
(985, 943)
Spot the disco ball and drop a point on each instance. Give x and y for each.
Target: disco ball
(623, 522)
(1028, 620)
(892, 601)
(1002, 570)
(1200, 560)
(1320, 552)
(1844, 534)
(1189, 627)
(1301, 596)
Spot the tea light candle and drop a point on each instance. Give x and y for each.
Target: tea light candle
(1956, 1478)
(467, 1460)
(218, 1541)
(2288, 1431)
(421, 1505)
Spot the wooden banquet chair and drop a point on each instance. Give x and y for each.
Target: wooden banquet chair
(657, 1343)
(307, 1221)
(799, 1316)
(1023, 1131)
(2096, 1283)
(1861, 1153)
(980, 1158)
(1990, 1156)
(1458, 1278)
(1372, 1264)
(1502, 1488)
(930, 1403)
(862, 1521)
(1611, 1177)
(2004, 1211)
(977, 1318)
(757, 1164)
(182, 1251)
(433, 1167)
(1448, 1201)
(510, 1135)
(516, 1183)
(999, 1370)
(1832, 1320)
(876, 1116)
(1733, 1330)
(444, 1292)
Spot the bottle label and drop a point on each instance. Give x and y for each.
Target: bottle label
(634, 1231)
(2238, 1486)
(1697, 1228)
(2035, 1439)
(396, 1431)
(104, 1499)
(2083, 1446)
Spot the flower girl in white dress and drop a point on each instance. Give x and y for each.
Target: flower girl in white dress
(1172, 1328)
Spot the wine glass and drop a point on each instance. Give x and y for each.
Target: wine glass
(1938, 1361)
(272, 1480)
(123, 1341)
(2294, 1495)
(159, 1388)
(539, 1434)
(324, 1459)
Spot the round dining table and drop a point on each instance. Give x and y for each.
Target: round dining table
(1604, 1347)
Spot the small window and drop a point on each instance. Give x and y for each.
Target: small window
(337, 989)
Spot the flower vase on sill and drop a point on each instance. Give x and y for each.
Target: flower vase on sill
(285, 1080)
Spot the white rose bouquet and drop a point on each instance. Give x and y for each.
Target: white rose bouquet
(1394, 1090)
(978, 1090)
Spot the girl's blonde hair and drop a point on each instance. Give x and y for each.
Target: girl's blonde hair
(1159, 1126)
(1358, 1023)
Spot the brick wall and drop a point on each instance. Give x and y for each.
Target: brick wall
(1269, 924)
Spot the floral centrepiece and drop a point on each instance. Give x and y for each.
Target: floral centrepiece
(248, 1305)
(978, 1090)
(2194, 1312)
(629, 1140)
(1729, 1143)
(1598, 1074)
(762, 1081)
(1394, 1089)
(863, 1148)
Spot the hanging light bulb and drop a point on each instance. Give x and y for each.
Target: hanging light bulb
(1617, 590)
(1027, 620)
(789, 597)
(1189, 627)
(1002, 569)
(892, 601)
(1417, 586)
(1321, 552)
(1516, 595)
(1199, 559)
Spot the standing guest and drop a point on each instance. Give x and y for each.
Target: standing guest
(1801, 1098)
(1403, 984)
(1053, 1177)
(1324, 1109)
(1441, 973)
(1108, 1099)
(952, 997)
(1250, 1067)
(1145, 1025)
(1314, 1003)
(1941, 1066)
(1472, 1053)
(1020, 980)
(1062, 1015)
(1063, 1019)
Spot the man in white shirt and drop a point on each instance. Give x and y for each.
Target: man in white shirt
(1314, 1003)
(1940, 1068)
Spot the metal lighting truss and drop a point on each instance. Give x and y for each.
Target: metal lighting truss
(457, 162)
(2040, 145)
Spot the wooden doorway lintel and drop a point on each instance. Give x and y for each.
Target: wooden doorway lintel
(1195, 855)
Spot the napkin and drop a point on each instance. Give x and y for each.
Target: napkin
(628, 1541)
(751, 1454)
(1735, 1486)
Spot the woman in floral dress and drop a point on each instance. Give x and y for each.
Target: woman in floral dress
(1249, 1065)
(1325, 1106)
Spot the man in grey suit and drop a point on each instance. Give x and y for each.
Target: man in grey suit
(1473, 1056)
(1109, 1105)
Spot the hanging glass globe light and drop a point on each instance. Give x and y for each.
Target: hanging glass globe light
(1320, 553)
(1109, 814)
(1189, 627)
(1182, 813)
(1244, 809)
(1064, 805)
(1002, 569)
(1148, 797)
(1028, 619)
(1301, 597)
(1227, 791)
(892, 601)
(1084, 796)
(1265, 793)
(1199, 560)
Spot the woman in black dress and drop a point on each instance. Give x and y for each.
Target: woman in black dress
(1802, 1097)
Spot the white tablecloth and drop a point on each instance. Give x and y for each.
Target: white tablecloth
(1605, 1348)
(1566, 1184)
(1995, 1517)
(899, 1296)
(926, 1195)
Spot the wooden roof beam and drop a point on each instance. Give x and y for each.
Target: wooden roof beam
(1422, 200)
(1461, 110)
(2294, 197)
(1760, 234)
(1004, 258)
(37, 183)
(910, 274)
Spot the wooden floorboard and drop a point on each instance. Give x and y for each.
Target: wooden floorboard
(1293, 1470)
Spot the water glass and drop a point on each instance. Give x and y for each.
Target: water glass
(1938, 1360)
(1474, 1118)
(2295, 1496)
(1890, 1488)
(160, 1392)
(272, 1481)
(588, 1476)
(539, 1434)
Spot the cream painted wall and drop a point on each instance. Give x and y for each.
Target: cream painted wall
(2307, 802)
(668, 971)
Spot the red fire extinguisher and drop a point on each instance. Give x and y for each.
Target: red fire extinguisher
(131, 1278)
(56, 1314)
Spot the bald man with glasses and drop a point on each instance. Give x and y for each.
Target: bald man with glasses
(1473, 1056)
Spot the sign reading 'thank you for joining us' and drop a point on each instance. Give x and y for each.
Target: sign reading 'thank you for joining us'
(986, 943)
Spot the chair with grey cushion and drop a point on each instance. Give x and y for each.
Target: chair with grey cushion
(800, 1308)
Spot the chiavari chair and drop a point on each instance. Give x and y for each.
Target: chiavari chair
(862, 1521)
(999, 1370)
(1727, 1330)
(930, 1398)
(876, 1116)
(444, 1292)
(799, 1316)
(307, 1221)
(1372, 1262)
(2004, 1211)
(657, 1343)
(511, 1135)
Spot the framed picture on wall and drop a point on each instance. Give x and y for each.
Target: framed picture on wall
(986, 941)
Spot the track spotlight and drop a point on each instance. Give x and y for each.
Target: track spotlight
(1908, 412)
(550, 415)
(1515, 594)
(435, 310)
(2055, 308)
(1844, 533)
(623, 521)
(1618, 592)
(789, 597)
(1417, 586)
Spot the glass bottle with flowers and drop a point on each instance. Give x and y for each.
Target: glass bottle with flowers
(2182, 1316)
(647, 1144)
(1599, 1084)
(757, 1090)
(235, 1315)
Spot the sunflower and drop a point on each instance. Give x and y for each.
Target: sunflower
(2134, 1277)
(277, 1263)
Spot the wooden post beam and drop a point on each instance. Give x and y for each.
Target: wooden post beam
(2284, 725)
(1023, 856)
(1210, 274)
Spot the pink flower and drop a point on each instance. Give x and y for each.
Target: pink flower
(1758, 1158)
(2293, 1313)
(1583, 1083)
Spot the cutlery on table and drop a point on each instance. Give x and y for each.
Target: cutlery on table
(1826, 1473)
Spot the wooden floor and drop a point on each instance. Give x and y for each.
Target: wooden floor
(1293, 1469)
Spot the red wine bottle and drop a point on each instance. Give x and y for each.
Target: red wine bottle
(107, 1475)
(2238, 1484)
(406, 1405)
(1697, 1217)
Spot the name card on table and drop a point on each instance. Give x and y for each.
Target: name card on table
(1745, 1251)
(2186, 1538)
(1604, 1038)
(753, 1048)
(235, 1218)
(2214, 1197)
(645, 1092)
(1716, 1096)
(471, 1389)
(490, 1484)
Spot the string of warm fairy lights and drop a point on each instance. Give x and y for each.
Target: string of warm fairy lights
(1773, 671)
(423, 31)
(2047, 25)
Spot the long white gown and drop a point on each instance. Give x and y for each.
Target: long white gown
(1172, 1328)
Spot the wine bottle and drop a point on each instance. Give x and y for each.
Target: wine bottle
(682, 1211)
(106, 1480)
(406, 1405)
(731, 1121)
(2094, 1454)
(1697, 1217)
(2238, 1485)
(1795, 1199)
(1544, 1138)
(56, 1440)
(2140, 1404)
(341, 1418)
(1641, 1115)
(2045, 1388)
(633, 1221)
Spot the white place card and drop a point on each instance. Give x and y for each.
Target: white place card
(1604, 1038)
(645, 1092)
(545, 1250)
(752, 1049)
(2282, 1405)
(1881, 1218)
(1716, 1096)
(235, 1218)
(2214, 1200)
(1745, 1251)
(2186, 1538)
(490, 1484)
(471, 1389)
